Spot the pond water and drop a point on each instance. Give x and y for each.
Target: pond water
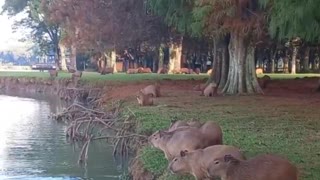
(34, 147)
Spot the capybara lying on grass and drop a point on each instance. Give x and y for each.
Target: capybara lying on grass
(197, 162)
(177, 124)
(132, 71)
(144, 99)
(262, 167)
(186, 138)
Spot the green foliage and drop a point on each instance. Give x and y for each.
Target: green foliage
(291, 18)
(46, 35)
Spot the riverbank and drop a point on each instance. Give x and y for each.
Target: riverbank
(284, 121)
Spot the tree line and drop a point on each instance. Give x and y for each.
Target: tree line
(236, 35)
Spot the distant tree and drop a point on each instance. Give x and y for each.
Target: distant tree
(44, 33)
(104, 26)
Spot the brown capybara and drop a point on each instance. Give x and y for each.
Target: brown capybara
(146, 70)
(107, 70)
(262, 167)
(210, 90)
(53, 73)
(132, 71)
(144, 99)
(140, 69)
(197, 71)
(186, 138)
(259, 71)
(199, 87)
(153, 89)
(186, 71)
(264, 81)
(197, 162)
(76, 75)
(177, 124)
(162, 71)
(209, 72)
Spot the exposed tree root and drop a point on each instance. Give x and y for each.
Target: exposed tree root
(88, 124)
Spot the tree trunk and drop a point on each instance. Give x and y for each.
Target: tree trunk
(175, 55)
(73, 57)
(242, 77)
(113, 60)
(286, 63)
(293, 61)
(62, 58)
(306, 60)
(161, 55)
(224, 66)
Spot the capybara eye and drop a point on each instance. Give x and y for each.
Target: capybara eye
(217, 162)
(175, 159)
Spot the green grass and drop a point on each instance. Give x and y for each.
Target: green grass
(118, 77)
(255, 124)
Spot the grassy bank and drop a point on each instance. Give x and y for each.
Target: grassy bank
(284, 121)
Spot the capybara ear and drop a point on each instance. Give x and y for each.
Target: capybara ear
(228, 158)
(182, 153)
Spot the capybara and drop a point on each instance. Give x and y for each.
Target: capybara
(210, 90)
(107, 70)
(209, 72)
(177, 124)
(186, 138)
(186, 71)
(146, 70)
(132, 71)
(259, 71)
(264, 81)
(144, 99)
(162, 71)
(197, 162)
(197, 71)
(262, 167)
(153, 89)
(53, 73)
(76, 75)
(199, 87)
(140, 69)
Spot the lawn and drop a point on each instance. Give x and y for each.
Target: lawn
(275, 123)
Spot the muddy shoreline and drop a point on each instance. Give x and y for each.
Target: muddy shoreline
(68, 90)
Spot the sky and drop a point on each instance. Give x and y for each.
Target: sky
(8, 39)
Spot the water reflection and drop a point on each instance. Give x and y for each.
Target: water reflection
(34, 147)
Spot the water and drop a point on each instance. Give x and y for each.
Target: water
(34, 147)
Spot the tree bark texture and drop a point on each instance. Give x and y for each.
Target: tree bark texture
(62, 59)
(224, 66)
(161, 56)
(113, 60)
(175, 55)
(73, 57)
(306, 60)
(242, 77)
(293, 61)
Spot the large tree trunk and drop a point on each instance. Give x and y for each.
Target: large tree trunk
(73, 57)
(63, 59)
(293, 61)
(113, 60)
(286, 62)
(175, 54)
(306, 60)
(242, 77)
(224, 66)
(161, 55)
